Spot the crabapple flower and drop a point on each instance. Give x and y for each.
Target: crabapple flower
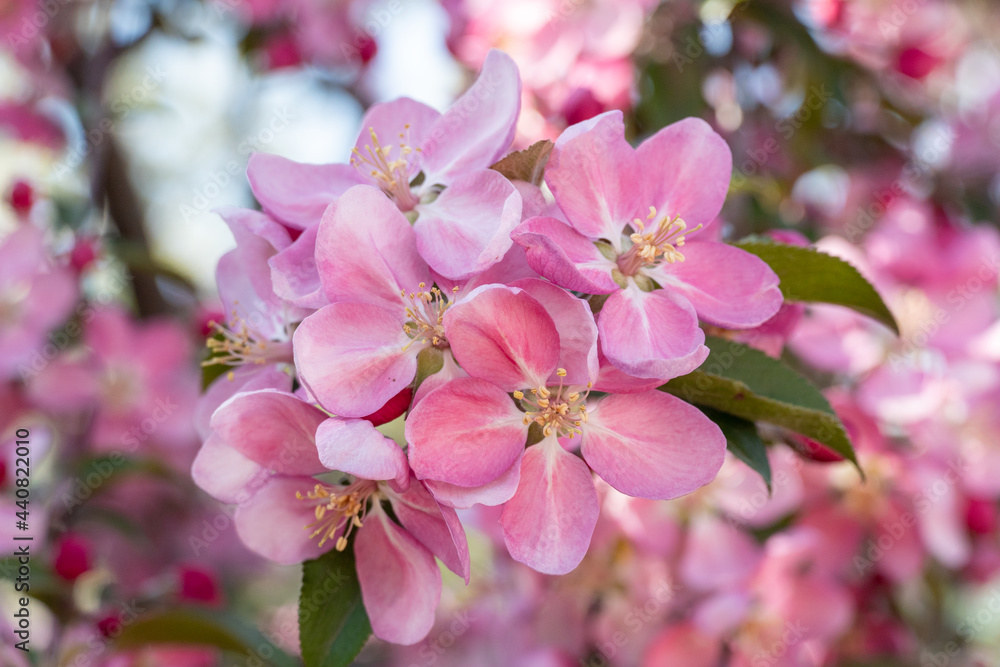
(361, 350)
(659, 284)
(529, 351)
(433, 166)
(255, 339)
(35, 296)
(267, 447)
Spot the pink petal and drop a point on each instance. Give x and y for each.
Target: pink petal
(64, 386)
(366, 250)
(296, 193)
(727, 286)
(467, 228)
(560, 253)
(683, 644)
(548, 523)
(226, 474)
(351, 357)
(468, 433)
(686, 171)
(478, 128)
(652, 445)
(22, 252)
(504, 335)
(614, 381)
(272, 428)
(577, 330)
(264, 312)
(245, 378)
(400, 581)
(651, 334)
(355, 447)
(435, 526)
(273, 523)
(513, 266)
(248, 224)
(595, 177)
(717, 555)
(491, 494)
(295, 275)
(109, 333)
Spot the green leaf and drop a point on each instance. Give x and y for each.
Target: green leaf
(333, 624)
(743, 441)
(527, 165)
(746, 383)
(810, 275)
(198, 627)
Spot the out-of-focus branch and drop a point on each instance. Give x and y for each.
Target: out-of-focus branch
(113, 186)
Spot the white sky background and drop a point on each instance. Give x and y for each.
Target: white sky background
(210, 109)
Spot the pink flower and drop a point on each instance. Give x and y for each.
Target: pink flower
(138, 378)
(361, 350)
(255, 337)
(35, 296)
(433, 166)
(659, 285)
(265, 448)
(537, 343)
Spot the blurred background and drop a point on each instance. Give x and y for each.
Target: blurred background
(868, 127)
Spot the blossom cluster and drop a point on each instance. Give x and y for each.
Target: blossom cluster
(824, 568)
(415, 284)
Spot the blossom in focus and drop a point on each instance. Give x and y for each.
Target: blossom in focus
(470, 433)
(265, 450)
(659, 283)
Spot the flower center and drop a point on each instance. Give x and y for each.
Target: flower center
(339, 510)
(560, 411)
(392, 175)
(242, 344)
(425, 315)
(660, 242)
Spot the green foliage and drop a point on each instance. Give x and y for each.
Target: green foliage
(333, 623)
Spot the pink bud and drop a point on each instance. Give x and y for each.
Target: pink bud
(73, 557)
(83, 254)
(199, 585)
(396, 406)
(22, 197)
